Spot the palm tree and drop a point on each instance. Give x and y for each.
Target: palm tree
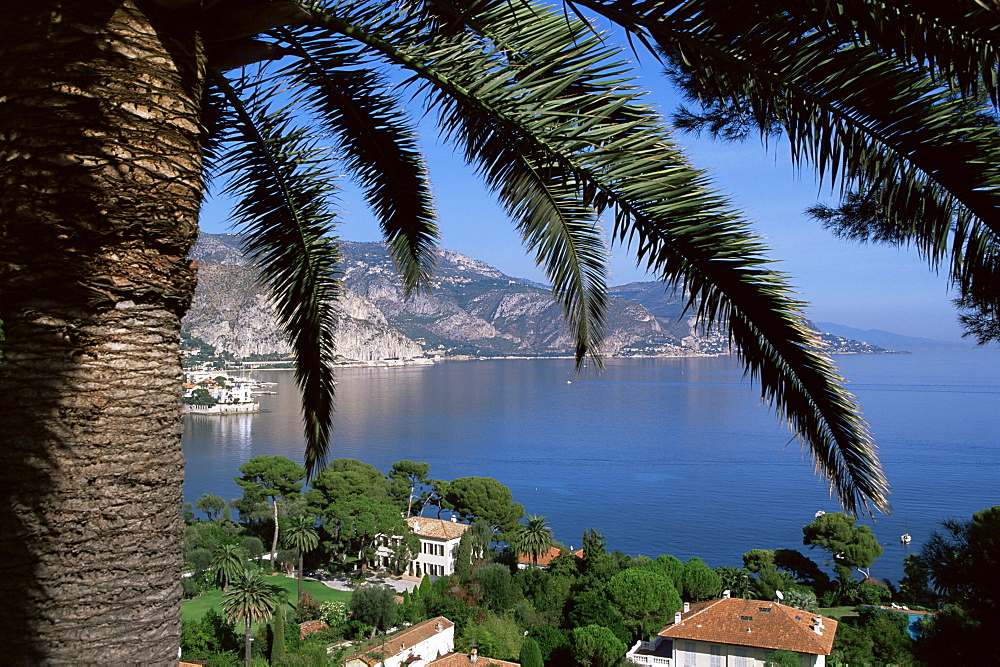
(533, 537)
(116, 113)
(822, 75)
(229, 562)
(250, 599)
(300, 534)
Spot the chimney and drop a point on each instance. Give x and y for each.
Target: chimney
(473, 655)
(416, 526)
(725, 594)
(677, 618)
(687, 607)
(438, 627)
(454, 518)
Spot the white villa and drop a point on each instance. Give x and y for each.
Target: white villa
(438, 547)
(235, 396)
(732, 632)
(416, 646)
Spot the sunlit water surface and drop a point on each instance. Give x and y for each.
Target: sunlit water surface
(659, 455)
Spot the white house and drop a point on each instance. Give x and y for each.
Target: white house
(732, 632)
(235, 395)
(438, 547)
(416, 646)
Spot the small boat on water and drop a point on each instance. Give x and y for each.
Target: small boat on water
(906, 538)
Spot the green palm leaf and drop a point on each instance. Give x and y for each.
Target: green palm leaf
(283, 181)
(250, 598)
(861, 89)
(375, 142)
(550, 118)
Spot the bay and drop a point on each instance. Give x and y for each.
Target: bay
(660, 456)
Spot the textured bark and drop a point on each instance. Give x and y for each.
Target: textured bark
(274, 538)
(99, 194)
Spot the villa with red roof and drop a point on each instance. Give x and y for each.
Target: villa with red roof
(416, 646)
(438, 547)
(732, 632)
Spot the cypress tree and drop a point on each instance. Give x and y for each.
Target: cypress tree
(463, 560)
(531, 654)
(278, 634)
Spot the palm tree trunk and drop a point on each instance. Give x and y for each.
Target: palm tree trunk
(298, 601)
(274, 539)
(99, 194)
(246, 646)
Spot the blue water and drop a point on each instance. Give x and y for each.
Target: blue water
(659, 455)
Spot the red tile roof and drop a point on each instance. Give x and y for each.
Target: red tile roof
(400, 641)
(456, 659)
(310, 627)
(754, 623)
(437, 528)
(547, 557)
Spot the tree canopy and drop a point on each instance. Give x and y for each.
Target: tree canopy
(645, 599)
(960, 563)
(358, 522)
(406, 475)
(486, 499)
(849, 544)
(271, 477)
(345, 478)
(375, 606)
(700, 582)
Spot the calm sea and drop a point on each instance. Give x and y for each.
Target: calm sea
(659, 455)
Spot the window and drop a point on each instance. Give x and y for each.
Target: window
(690, 657)
(764, 608)
(741, 657)
(716, 659)
(746, 618)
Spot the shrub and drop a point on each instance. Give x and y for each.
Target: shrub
(189, 587)
(308, 609)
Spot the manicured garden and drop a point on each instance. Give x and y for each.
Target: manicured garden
(195, 608)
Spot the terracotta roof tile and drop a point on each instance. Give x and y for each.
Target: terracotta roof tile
(547, 557)
(394, 643)
(309, 627)
(754, 623)
(437, 528)
(456, 659)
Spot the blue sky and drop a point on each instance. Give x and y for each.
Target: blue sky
(868, 287)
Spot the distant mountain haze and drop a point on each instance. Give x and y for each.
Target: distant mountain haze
(473, 309)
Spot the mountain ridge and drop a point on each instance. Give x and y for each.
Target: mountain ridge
(473, 309)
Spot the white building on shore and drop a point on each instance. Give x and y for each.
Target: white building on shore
(438, 547)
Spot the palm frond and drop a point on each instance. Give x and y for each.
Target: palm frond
(282, 179)
(375, 141)
(871, 115)
(551, 111)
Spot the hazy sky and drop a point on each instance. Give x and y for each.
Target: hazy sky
(868, 287)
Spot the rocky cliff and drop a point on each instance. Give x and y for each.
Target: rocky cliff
(472, 309)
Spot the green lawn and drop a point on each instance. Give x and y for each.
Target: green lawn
(194, 609)
(838, 613)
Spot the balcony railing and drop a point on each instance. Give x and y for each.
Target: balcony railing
(643, 653)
